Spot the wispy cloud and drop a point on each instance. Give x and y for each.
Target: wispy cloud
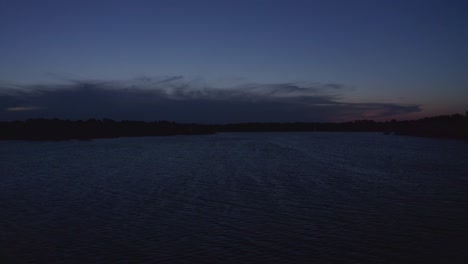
(22, 108)
(180, 99)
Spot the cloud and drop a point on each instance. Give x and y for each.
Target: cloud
(184, 100)
(22, 108)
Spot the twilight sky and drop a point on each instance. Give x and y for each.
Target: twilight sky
(233, 61)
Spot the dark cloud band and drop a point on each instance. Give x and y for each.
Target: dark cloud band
(176, 98)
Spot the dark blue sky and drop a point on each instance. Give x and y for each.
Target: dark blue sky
(403, 53)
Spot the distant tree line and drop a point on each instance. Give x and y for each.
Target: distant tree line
(56, 129)
(355, 126)
(446, 126)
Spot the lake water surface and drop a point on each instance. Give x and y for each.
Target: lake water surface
(235, 198)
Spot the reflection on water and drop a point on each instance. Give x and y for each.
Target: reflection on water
(235, 197)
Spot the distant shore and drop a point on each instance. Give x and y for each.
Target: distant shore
(447, 126)
(56, 129)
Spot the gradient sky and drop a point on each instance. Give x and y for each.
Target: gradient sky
(389, 53)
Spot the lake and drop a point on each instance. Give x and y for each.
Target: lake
(235, 198)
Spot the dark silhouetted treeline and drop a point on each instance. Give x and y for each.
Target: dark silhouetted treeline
(447, 126)
(56, 129)
(355, 126)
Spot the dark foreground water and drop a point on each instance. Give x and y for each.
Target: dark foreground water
(235, 198)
